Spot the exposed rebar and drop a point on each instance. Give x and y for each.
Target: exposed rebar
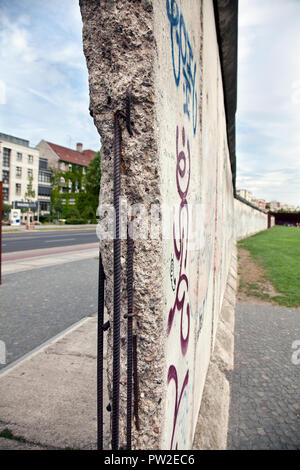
(101, 280)
(129, 335)
(136, 384)
(117, 287)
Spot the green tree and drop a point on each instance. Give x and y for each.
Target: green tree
(5, 210)
(30, 193)
(87, 201)
(93, 176)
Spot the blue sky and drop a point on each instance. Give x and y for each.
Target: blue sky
(268, 117)
(44, 86)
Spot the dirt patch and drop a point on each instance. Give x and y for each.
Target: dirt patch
(254, 287)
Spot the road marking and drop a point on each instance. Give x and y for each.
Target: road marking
(41, 237)
(63, 240)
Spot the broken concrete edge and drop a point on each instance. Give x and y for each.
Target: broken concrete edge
(213, 420)
(113, 36)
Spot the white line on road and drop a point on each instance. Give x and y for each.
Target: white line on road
(37, 237)
(63, 240)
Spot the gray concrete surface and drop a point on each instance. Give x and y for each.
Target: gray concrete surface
(212, 426)
(33, 259)
(265, 385)
(49, 399)
(22, 228)
(12, 242)
(38, 304)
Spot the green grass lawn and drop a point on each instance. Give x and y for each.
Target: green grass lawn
(278, 250)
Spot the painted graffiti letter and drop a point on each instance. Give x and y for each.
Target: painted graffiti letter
(181, 303)
(183, 60)
(172, 375)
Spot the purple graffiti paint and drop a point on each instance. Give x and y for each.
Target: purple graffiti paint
(172, 375)
(181, 303)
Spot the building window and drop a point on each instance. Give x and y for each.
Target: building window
(5, 194)
(44, 177)
(18, 189)
(44, 190)
(18, 171)
(83, 171)
(19, 157)
(44, 206)
(70, 167)
(29, 173)
(6, 156)
(43, 163)
(30, 158)
(5, 176)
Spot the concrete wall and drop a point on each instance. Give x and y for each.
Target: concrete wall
(178, 160)
(248, 220)
(196, 179)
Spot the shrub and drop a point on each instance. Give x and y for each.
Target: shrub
(76, 221)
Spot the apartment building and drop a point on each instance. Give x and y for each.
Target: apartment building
(245, 194)
(19, 166)
(44, 187)
(261, 204)
(69, 161)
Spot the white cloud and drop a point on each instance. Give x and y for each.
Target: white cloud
(45, 73)
(268, 118)
(2, 92)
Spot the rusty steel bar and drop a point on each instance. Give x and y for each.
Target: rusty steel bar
(101, 280)
(129, 336)
(117, 287)
(136, 384)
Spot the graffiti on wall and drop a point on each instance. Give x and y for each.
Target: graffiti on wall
(181, 302)
(183, 61)
(172, 375)
(180, 305)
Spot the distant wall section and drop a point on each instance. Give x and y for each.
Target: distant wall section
(248, 220)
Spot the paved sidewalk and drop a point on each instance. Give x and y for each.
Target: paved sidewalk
(32, 259)
(22, 228)
(38, 304)
(48, 401)
(265, 386)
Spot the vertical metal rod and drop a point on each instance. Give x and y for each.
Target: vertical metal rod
(1, 200)
(101, 279)
(136, 385)
(117, 287)
(129, 336)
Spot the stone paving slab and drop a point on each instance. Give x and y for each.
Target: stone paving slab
(11, 444)
(49, 399)
(265, 384)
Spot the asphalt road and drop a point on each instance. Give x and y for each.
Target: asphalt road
(40, 303)
(12, 242)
